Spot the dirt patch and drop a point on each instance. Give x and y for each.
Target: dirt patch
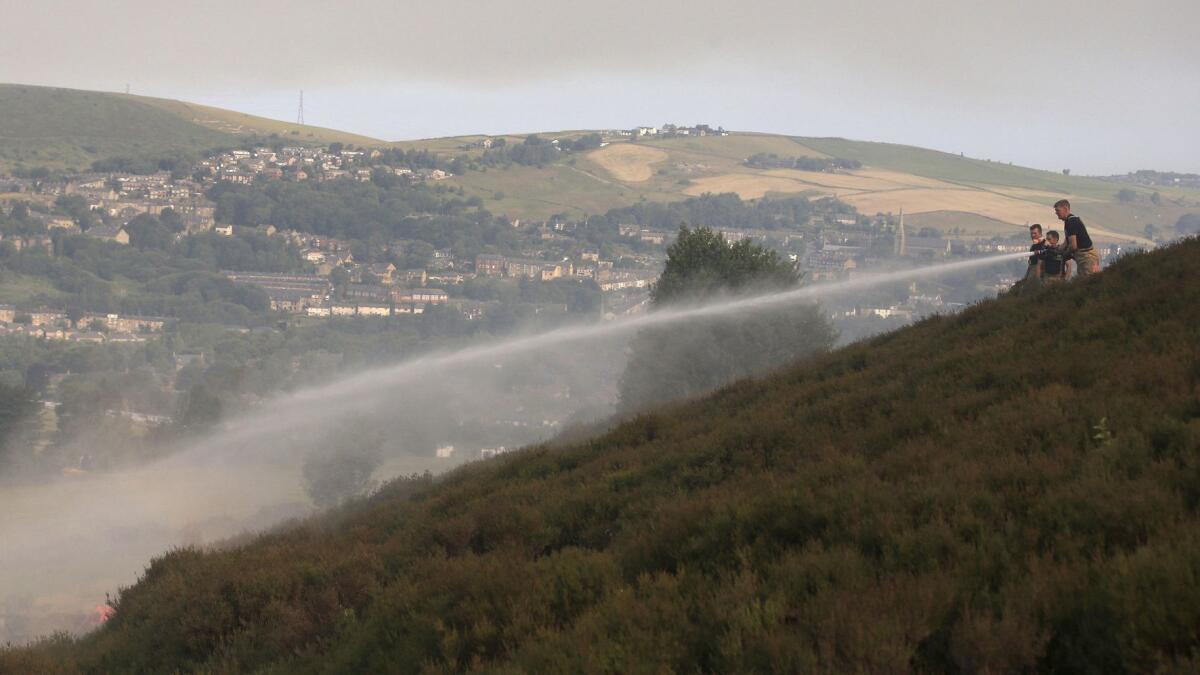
(628, 162)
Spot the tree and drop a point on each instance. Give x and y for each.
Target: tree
(1188, 223)
(672, 361)
(16, 404)
(20, 211)
(201, 409)
(384, 178)
(1125, 195)
(344, 472)
(147, 232)
(171, 220)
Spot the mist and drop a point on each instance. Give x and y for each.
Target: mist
(69, 543)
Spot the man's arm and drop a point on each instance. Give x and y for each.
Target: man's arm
(1040, 266)
(1072, 243)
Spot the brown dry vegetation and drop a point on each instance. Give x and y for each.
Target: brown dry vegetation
(1016, 488)
(628, 162)
(751, 185)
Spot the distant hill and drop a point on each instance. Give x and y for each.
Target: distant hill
(242, 124)
(64, 128)
(1014, 488)
(975, 197)
(70, 129)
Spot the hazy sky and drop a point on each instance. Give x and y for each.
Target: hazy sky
(1048, 83)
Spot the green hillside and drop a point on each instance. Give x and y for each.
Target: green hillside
(70, 129)
(971, 196)
(242, 124)
(954, 168)
(1014, 488)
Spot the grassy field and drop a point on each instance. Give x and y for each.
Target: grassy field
(956, 169)
(65, 128)
(70, 129)
(16, 289)
(736, 147)
(240, 124)
(971, 224)
(533, 193)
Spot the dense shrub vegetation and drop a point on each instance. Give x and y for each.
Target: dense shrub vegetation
(764, 160)
(727, 210)
(1014, 488)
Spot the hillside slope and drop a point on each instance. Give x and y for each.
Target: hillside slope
(241, 124)
(1012, 488)
(967, 196)
(70, 128)
(67, 128)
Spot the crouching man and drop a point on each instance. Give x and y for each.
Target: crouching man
(1053, 262)
(1032, 279)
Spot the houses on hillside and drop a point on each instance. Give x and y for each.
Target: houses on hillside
(51, 324)
(113, 233)
(671, 130)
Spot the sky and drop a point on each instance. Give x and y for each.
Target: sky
(1095, 87)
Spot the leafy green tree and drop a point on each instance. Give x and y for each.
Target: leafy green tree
(147, 232)
(1125, 195)
(700, 264)
(681, 361)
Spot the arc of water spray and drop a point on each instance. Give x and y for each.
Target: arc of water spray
(317, 405)
(74, 540)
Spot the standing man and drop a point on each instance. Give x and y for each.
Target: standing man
(1078, 244)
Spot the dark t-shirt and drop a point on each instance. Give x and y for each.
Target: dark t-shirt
(1074, 226)
(1053, 260)
(1036, 250)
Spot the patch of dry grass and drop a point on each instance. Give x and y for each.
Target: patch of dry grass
(627, 162)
